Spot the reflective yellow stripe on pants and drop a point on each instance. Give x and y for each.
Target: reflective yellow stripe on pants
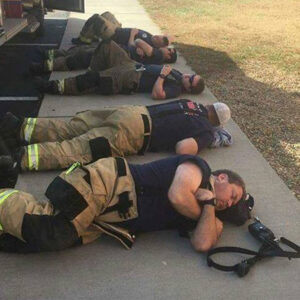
(4, 196)
(33, 157)
(30, 125)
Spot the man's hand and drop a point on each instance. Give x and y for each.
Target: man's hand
(133, 33)
(166, 70)
(204, 194)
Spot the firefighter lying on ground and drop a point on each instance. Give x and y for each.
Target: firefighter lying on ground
(113, 197)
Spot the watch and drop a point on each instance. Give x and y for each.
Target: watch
(162, 76)
(212, 201)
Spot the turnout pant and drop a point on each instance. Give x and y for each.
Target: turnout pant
(90, 135)
(99, 26)
(112, 71)
(76, 58)
(84, 201)
(27, 225)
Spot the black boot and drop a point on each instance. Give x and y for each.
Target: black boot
(10, 126)
(38, 68)
(9, 171)
(46, 86)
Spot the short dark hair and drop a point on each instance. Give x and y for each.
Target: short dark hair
(173, 57)
(166, 41)
(197, 89)
(233, 178)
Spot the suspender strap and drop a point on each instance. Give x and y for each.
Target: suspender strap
(121, 167)
(146, 134)
(124, 203)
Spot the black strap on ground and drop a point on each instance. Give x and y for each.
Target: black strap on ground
(242, 268)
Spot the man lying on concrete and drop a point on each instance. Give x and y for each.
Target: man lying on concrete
(80, 57)
(106, 26)
(113, 197)
(112, 71)
(182, 126)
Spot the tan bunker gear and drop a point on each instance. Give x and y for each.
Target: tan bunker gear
(112, 71)
(90, 135)
(89, 200)
(99, 26)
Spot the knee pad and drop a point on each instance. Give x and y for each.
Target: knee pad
(80, 61)
(87, 81)
(99, 26)
(100, 148)
(48, 233)
(66, 198)
(106, 86)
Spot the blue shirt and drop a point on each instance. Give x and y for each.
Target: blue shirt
(156, 58)
(178, 120)
(153, 181)
(122, 36)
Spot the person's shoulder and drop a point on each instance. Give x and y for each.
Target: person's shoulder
(194, 160)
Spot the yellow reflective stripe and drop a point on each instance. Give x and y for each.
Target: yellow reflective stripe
(33, 157)
(29, 129)
(51, 54)
(73, 167)
(49, 64)
(4, 196)
(85, 40)
(61, 86)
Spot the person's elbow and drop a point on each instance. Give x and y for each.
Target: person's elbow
(203, 245)
(186, 148)
(176, 198)
(158, 95)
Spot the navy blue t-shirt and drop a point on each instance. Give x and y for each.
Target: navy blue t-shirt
(178, 120)
(172, 86)
(153, 181)
(122, 36)
(156, 58)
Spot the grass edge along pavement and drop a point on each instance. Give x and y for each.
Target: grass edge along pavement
(247, 53)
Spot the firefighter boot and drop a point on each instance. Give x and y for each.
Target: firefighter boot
(9, 172)
(38, 68)
(47, 86)
(10, 126)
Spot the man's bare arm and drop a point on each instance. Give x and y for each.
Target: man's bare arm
(158, 92)
(183, 188)
(187, 146)
(148, 50)
(133, 33)
(208, 230)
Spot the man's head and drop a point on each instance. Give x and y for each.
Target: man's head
(229, 188)
(193, 83)
(169, 54)
(159, 41)
(218, 113)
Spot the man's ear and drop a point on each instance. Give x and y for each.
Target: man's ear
(222, 177)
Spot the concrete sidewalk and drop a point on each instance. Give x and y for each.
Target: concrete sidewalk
(160, 265)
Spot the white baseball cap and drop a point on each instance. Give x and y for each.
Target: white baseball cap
(223, 112)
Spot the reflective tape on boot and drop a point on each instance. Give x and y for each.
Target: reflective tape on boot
(30, 125)
(60, 86)
(49, 64)
(33, 157)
